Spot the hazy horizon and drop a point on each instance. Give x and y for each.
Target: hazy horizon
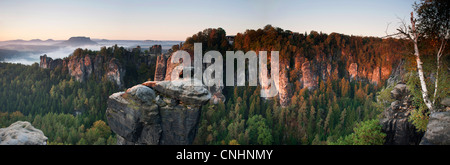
(175, 20)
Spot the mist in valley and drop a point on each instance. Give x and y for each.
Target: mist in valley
(28, 52)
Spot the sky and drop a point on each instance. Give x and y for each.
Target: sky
(179, 19)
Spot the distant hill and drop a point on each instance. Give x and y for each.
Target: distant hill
(77, 41)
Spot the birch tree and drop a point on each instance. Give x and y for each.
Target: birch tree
(433, 17)
(412, 34)
(432, 23)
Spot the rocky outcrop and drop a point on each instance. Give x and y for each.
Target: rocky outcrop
(438, 129)
(170, 67)
(399, 131)
(157, 113)
(160, 70)
(353, 70)
(376, 76)
(308, 78)
(155, 49)
(397, 74)
(80, 68)
(446, 104)
(183, 89)
(284, 86)
(49, 63)
(22, 133)
(83, 67)
(115, 72)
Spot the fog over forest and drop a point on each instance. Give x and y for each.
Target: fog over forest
(28, 52)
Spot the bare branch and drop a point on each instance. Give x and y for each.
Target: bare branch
(387, 27)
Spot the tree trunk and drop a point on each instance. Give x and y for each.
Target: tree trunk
(423, 85)
(438, 57)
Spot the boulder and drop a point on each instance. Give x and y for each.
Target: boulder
(22, 133)
(446, 103)
(183, 90)
(399, 91)
(438, 129)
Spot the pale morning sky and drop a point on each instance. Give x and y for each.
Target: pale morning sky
(178, 19)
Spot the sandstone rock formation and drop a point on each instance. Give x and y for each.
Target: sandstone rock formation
(446, 104)
(399, 131)
(183, 89)
(397, 74)
(157, 113)
(308, 78)
(376, 75)
(353, 70)
(160, 70)
(170, 67)
(438, 129)
(82, 68)
(49, 63)
(115, 72)
(155, 49)
(284, 85)
(22, 133)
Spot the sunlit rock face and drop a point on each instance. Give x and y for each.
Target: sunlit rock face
(353, 71)
(82, 68)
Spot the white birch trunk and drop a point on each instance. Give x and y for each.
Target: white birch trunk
(423, 85)
(439, 54)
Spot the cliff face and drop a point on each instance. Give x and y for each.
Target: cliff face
(284, 85)
(353, 70)
(308, 77)
(49, 63)
(157, 112)
(115, 72)
(82, 68)
(308, 71)
(160, 71)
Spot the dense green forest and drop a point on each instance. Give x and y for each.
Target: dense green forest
(314, 116)
(50, 100)
(317, 116)
(66, 110)
(337, 109)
